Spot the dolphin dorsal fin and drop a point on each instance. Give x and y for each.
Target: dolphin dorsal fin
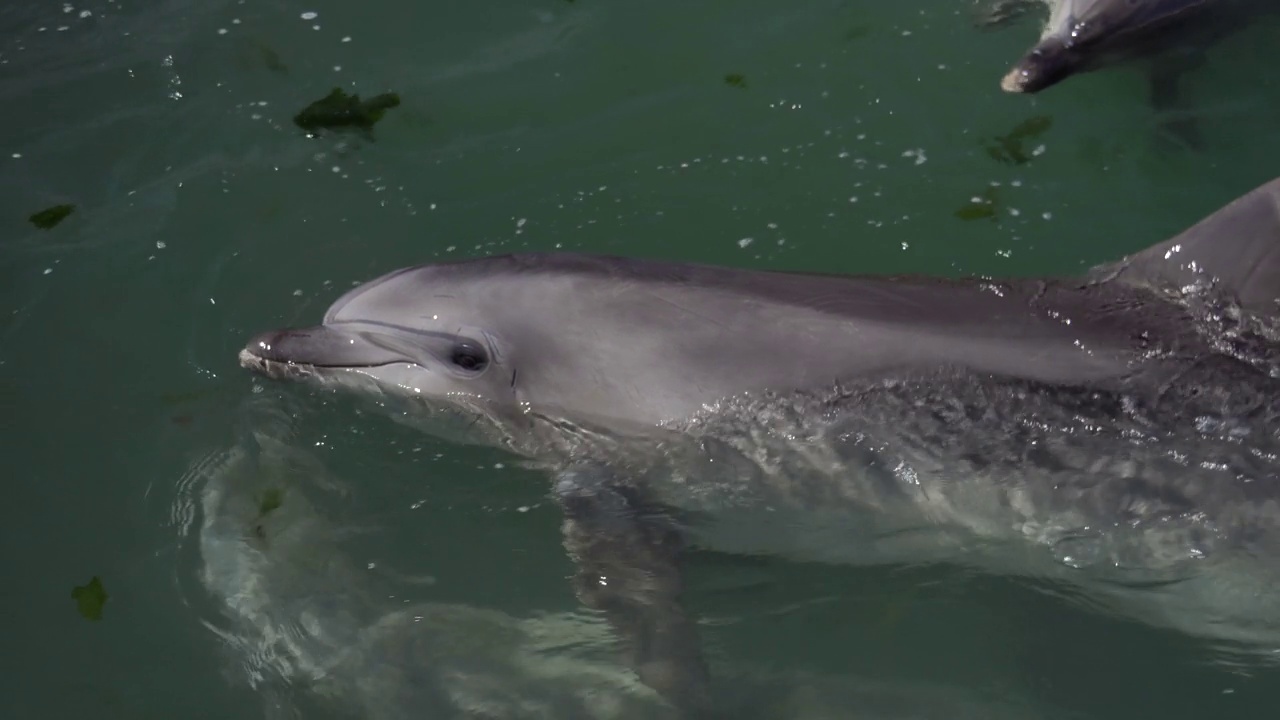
(1238, 246)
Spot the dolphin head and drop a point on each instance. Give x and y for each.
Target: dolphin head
(420, 333)
(1047, 64)
(1085, 35)
(512, 338)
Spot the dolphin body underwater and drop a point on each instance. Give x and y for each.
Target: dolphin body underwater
(1085, 35)
(1117, 432)
(316, 633)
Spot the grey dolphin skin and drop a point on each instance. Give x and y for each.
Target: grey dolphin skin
(1085, 35)
(1117, 431)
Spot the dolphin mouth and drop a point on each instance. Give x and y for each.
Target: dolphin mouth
(291, 355)
(275, 369)
(1030, 75)
(305, 351)
(1016, 81)
(1050, 62)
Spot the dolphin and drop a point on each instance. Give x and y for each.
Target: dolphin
(1116, 430)
(1085, 35)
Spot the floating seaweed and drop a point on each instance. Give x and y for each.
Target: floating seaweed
(339, 110)
(271, 499)
(1009, 148)
(49, 217)
(90, 598)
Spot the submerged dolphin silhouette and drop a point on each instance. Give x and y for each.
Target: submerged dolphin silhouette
(1114, 429)
(1085, 35)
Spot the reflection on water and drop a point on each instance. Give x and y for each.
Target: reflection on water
(306, 627)
(297, 613)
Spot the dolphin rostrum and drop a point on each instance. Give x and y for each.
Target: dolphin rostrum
(1119, 430)
(1084, 35)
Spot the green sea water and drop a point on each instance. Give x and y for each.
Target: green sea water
(811, 134)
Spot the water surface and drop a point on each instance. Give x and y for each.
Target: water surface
(814, 134)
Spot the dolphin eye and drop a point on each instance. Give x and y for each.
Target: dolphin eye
(469, 358)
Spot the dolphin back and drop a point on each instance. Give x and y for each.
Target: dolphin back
(1238, 247)
(1087, 19)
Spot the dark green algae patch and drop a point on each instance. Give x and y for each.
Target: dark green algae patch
(270, 500)
(90, 598)
(49, 217)
(338, 110)
(1010, 148)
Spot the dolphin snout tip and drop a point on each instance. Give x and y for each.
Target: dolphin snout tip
(1011, 82)
(261, 353)
(1015, 81)
(247, 359)
(296, 349)
(261, 345)
(252, 358)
